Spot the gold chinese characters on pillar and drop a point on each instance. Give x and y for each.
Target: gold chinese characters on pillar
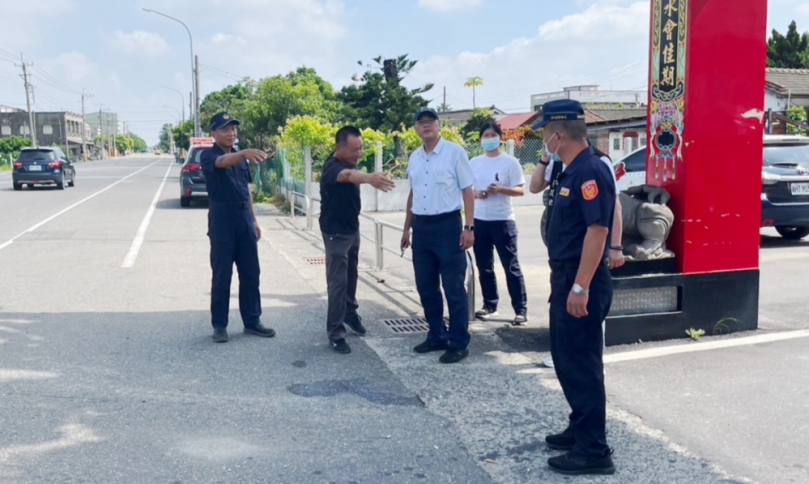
(667, 105)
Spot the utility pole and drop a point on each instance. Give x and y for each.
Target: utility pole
(83, 131)
(197, 131)
(190, 104)
(31, 126)
(445, 96)
(101, 132)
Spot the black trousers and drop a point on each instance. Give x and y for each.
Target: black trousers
(502, 236)
(233, 241)
(577, 350)
(342, 259)
(439, 260)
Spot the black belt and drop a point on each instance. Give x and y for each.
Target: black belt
(570, 264)
(438, 218)
(213, 204)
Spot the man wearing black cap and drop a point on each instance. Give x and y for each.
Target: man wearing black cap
(232, 228)
(441, 180)
(581, 287)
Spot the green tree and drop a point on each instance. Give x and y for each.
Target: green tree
(474, 82)
(471, 130)
(797, 114)
(383, 104)
(183, 134)
(138, 144)
(165, 137)
(444, 108)
(789, 51)
(13, 145)
(124, 144)
(232, 99)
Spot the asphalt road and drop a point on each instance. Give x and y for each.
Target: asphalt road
(108, 374)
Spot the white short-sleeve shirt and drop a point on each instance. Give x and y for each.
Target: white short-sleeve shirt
(503, 170)
(439, 179)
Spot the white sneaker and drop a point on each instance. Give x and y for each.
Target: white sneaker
(548, 362)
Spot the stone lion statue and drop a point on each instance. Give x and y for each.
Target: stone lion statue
(647, 223)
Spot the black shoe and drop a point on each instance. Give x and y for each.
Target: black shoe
(341, 346)
(429, 346)
(564, 441)
(453, 356)
(486, 313)
(520, 319)
(259, 330)
(574, 465)
(220, 335)
(354, 321)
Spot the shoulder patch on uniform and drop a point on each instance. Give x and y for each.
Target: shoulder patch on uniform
(589, 190)
(564, 192)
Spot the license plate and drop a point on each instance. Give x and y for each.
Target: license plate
(799, 188)
(34, 167)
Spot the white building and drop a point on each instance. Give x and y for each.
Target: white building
(591, 95)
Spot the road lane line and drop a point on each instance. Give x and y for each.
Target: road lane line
(62, 212)
(132, 256)
(704, 346)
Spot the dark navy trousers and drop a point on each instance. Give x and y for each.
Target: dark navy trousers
(234, 241)
(577, 350)
(500, 235)
(439, 260)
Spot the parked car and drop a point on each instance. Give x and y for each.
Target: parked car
(633, 171)
(43, 166)
(785, 185)
(192, 180)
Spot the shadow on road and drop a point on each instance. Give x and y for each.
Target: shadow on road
(770, 242)
(174, 204)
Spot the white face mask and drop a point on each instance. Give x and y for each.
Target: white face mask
(548, 152)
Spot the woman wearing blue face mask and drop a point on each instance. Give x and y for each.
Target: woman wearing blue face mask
(498, 177)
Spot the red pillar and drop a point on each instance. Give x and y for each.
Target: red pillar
(707, 76)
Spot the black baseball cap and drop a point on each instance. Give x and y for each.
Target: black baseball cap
(560, 110)
(426, 110)
(221, 120)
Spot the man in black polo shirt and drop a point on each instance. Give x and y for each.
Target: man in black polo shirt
(340, 225)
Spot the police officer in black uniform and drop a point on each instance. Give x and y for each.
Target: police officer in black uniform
(581, 287)
(232, 228)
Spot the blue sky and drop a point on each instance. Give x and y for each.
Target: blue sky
(123, 55)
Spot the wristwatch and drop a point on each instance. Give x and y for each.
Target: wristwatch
(579, 291)
(469, 228)
(613, 247)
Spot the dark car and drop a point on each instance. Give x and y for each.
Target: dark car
(43, 166)
(785, 180)
(192, 180)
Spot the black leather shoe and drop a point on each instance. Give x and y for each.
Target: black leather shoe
(453, 356)
(429, 346)
(259, 330)
(354, 321)
(564, 441)
(220, 335)
(341, 346)
(575, 465)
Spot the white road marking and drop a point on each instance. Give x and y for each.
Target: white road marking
(132, 256)
(704, 346)
(62, 212)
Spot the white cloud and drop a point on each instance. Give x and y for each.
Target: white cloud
(449, 5)
(71, 68)
(227, 38)
(140, 43)
(606, 44)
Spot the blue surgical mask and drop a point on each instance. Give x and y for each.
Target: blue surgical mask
(490, 144)
(551, 156)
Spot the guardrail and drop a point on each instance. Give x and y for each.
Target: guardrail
(378, 241)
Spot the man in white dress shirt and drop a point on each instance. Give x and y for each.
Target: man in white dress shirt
(441, 183)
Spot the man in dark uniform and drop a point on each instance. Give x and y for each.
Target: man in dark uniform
(441, 183)
(581, 287)
(340, 226)
(232, 228)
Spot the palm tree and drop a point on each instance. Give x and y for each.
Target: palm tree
(473, 82)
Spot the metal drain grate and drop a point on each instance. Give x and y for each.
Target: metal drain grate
(409, 325)
(316, 261)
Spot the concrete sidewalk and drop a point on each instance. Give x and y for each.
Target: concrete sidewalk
(498, 404)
